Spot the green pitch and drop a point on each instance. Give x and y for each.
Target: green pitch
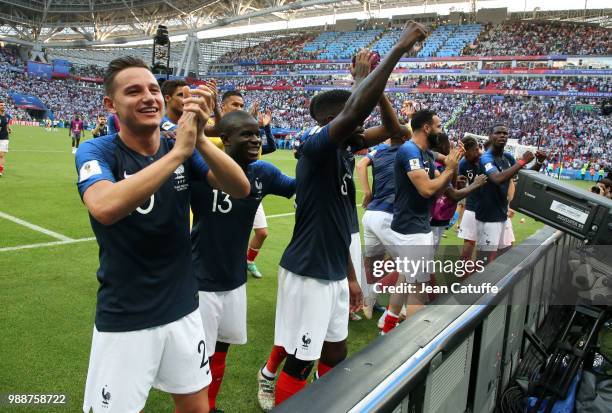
(48, 284)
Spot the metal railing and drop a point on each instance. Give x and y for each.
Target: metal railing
(456, 354)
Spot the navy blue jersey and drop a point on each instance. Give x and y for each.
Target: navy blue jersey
(492, 205)
(349, 157)
(383, 185)
(113, 124)
(325, 197)
(145, 274)
(470, 171)
(218, 246)
(4, 124)
(411, 212)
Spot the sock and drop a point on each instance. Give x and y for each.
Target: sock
(287, 386)
(277, 355)
(252, 254)
(217, 369)
(390, 322)
(322, 369)
(1, 169)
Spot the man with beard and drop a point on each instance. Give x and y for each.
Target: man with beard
(492, 206)
(417, 182)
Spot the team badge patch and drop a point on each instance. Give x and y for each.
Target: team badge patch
(167, 125)
(89, 169)
(488, 166)
(415, 164)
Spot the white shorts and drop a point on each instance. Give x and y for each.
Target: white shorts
(123, 366)
(376, 229)
(224, 316)
(309, 311)
(490, 235)
(4, 145)
(412, 249)
(260, 218)
(468, 230)
(508, 234)
(437, 235)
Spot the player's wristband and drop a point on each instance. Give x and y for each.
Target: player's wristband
(522, 163)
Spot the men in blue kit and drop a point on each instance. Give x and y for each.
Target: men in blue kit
(492, 206)
(220, 236)
(417, 182)
(316, 283)
(469, 167)
(136, 186)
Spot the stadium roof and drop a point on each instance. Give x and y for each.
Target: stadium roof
(83, 22)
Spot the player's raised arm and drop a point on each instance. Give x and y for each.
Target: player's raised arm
(368, 92)
(224, 172)
(109, 201)
(362, 174)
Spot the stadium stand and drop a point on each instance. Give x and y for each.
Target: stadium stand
(540, 38)
(342, 45)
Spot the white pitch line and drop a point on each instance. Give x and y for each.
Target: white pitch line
(281, 215)
(46, 244)
(35, 227)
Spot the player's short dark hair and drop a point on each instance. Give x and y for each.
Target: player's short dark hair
(116, 66)
(497, 125)
(229, 122)
(595, 189)
(442, 143)
(231, 93)
(169, 86)
(469, 142)
(421, 118)
(328, 103)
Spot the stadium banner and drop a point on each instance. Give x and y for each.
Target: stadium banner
(411, 59)
(89, 79)
(61, 68)
(27, 101)
(40, 69)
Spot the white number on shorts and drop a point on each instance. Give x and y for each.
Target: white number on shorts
(227, 201)
(202, 349)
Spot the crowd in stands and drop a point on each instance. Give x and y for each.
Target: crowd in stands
(542, 38)
(284, 48)
(91, 71)
(509, 38)
(565, 83)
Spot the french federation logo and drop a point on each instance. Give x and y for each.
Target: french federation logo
(306, 340)
(179, 171)
(106, 397)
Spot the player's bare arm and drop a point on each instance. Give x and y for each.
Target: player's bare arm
(362, 174)
(429, 187)
(110, 202)
(458, 194)
(355, 293)
(499, 178)
(368, 92)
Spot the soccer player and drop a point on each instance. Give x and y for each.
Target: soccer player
(5, 131)
(231, 101)
(222, 225)
(136, 187)
(417, 182)
(469, 167)
(101, 128)
(76, 132)
(172, 90)
(491, 210)
(317, 287)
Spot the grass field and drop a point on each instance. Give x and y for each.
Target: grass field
(48, 286)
